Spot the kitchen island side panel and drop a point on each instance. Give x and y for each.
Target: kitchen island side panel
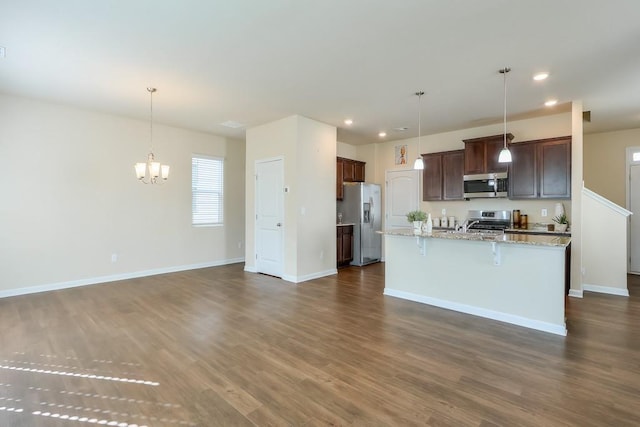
(525, 288)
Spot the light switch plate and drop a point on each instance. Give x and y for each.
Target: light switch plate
(544, 213)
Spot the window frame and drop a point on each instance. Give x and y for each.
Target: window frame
(218, 188)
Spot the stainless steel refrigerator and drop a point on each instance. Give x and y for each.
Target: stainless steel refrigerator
(360, 206)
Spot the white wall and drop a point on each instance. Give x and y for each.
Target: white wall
(604, 245)
(275, 139)
(346, 150)
(309, 151)
(70, 198)
(605, 164)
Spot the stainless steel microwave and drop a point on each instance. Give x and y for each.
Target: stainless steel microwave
(486, 185)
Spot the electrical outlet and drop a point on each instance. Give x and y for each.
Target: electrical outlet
(321, 254)
(544, 213)
(114, 257)
(239, 244)
(444, 211)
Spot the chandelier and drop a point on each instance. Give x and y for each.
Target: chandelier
(154, 169)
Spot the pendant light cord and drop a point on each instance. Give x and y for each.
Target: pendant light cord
(419, 120)
(420, 93)
(506, 70)
(151, 91)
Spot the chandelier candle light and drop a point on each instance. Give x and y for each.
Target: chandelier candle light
(419, 163)
(505, 154)
(156, 170)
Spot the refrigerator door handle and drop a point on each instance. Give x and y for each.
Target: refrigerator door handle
(372, 212)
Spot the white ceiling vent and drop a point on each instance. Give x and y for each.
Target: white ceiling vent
(232, 124)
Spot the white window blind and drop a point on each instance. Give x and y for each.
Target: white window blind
(207, 184)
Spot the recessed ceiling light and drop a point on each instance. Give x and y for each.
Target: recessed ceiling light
(551, 102)
(540, 76)
(348, 122)
(382, 134)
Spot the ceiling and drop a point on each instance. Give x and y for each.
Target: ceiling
(255, 61)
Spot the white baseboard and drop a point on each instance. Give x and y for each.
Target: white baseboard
(299, 279)
(476, 311)
(624, 292)
(113, 278)
(575, 293)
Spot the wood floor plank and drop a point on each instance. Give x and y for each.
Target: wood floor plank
(220, 346)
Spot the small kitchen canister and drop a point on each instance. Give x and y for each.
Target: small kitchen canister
(516, 218)
(443, 222)
(524, 221)
(452, 222)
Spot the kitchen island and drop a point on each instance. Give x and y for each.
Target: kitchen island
(514, 278)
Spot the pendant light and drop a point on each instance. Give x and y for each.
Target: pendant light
(505, 154)
(155, 169)
(419, 163)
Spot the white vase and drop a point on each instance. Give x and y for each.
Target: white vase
(428, 227)
(561, 228)
(417, 227)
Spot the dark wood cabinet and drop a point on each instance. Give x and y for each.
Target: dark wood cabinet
(339, 179)
(432, 177)
(442, 175)
(358, 171)
(555, 169)
(348, 170)
(344, 245)
(452, 175)
(523, 173)
(481, 154)
(541, 169)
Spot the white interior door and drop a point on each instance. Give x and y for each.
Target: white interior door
(634, 220)
(270, 217)
(402, 195)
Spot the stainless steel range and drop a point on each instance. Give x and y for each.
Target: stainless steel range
(488, 220)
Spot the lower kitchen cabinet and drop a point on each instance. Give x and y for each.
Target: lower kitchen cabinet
(344, 244)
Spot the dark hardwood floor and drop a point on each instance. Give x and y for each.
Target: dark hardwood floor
(221, 347)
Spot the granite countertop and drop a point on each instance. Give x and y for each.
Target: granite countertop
(537, 230)
(522, 239)
(344, 224)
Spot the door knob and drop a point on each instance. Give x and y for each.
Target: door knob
(278, 225)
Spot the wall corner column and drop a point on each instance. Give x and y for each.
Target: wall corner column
(577, 182)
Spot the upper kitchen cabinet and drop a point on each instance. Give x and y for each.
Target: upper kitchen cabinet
(481, 154)
(541, 169)
(348, 170)
(339, 179)
(555, 169)
(442, 177)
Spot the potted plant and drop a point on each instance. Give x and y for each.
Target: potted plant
(417, 218)
(562, 221)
